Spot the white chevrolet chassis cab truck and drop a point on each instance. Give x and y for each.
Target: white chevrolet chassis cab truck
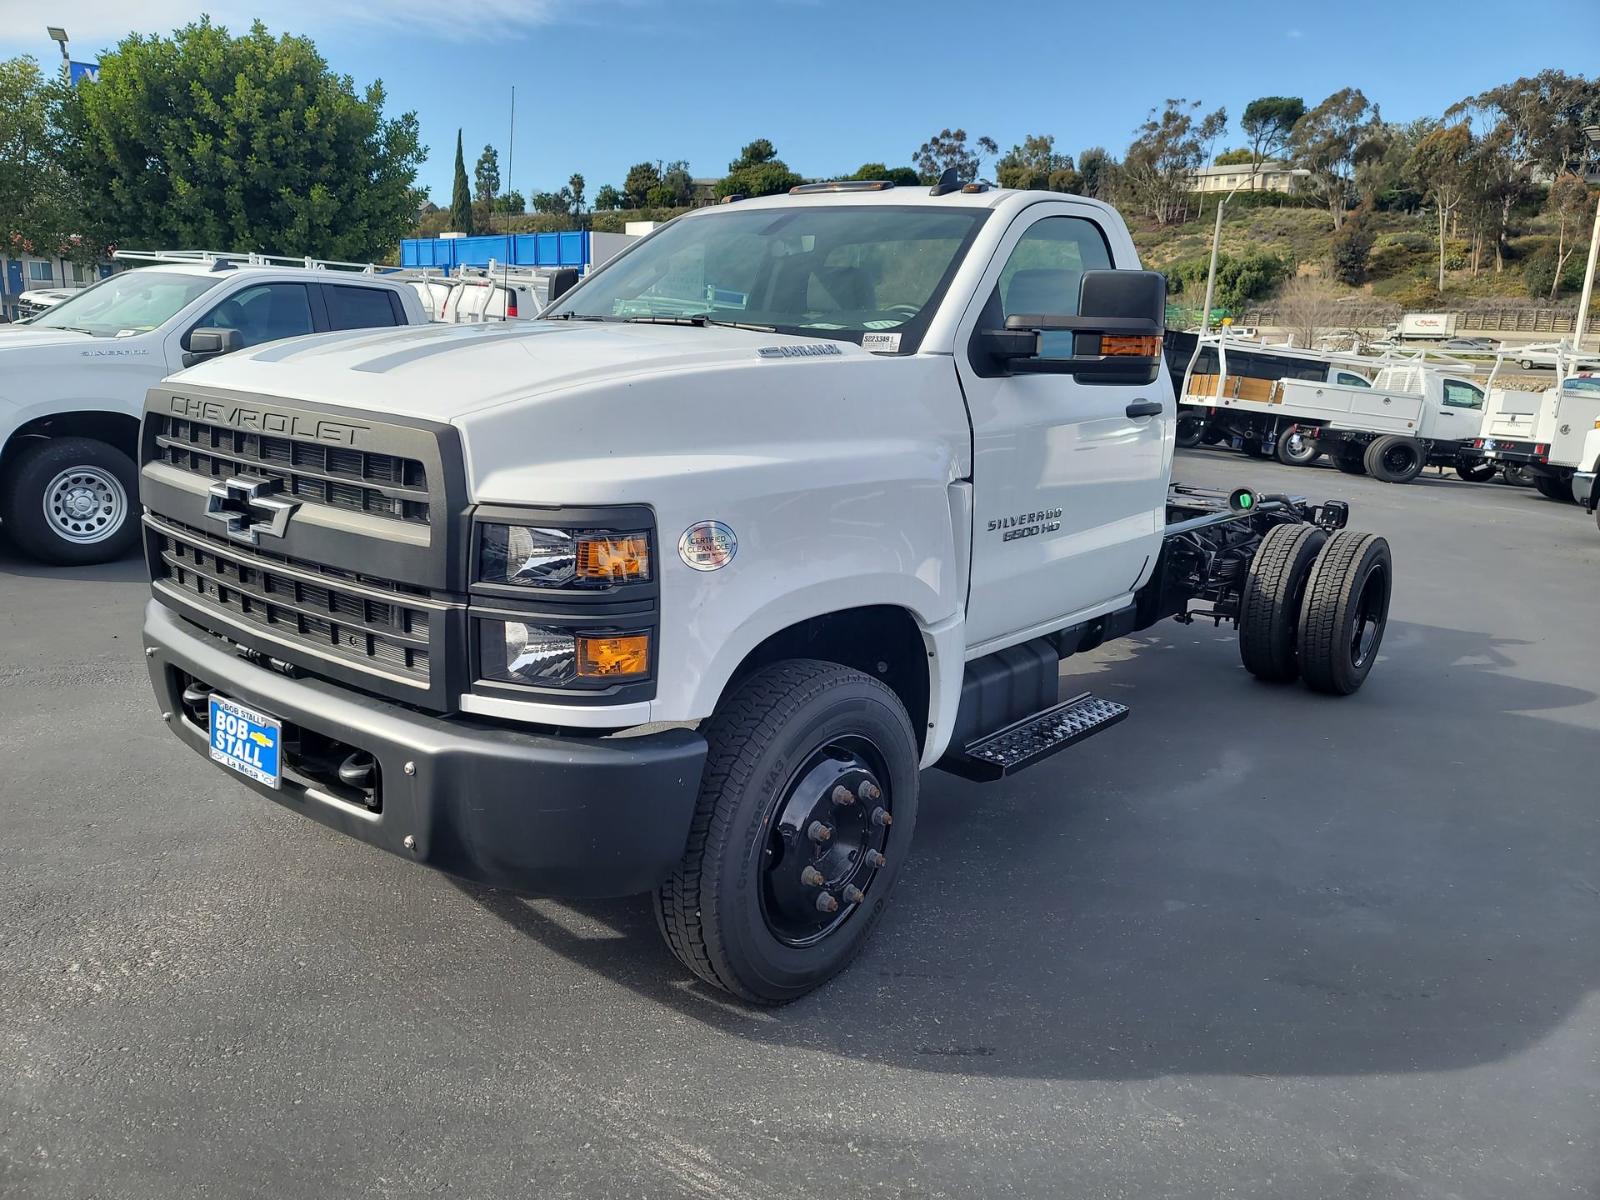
(678, 589)
(1545, 432)
(73, 378)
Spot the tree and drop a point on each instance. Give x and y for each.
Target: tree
(1324, 142)
(1033, 164)
(461, 195)
(947, 149)
(247, 143)
(486, 175)
(512, 202)
(1309, 308)
(608, 198)
(758, 171)
(1571, 204)
(1268, 122)
(641, 178)
(1239, 157)
(1351, 246)
(1096, 166)
(1442, 161)
(1171, 145)
(899, 176)
(36, 194)
(556, 203)
(676, 179)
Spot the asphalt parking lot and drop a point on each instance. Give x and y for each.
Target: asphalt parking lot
(1249, 943)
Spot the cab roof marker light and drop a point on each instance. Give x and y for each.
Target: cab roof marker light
(841, 185)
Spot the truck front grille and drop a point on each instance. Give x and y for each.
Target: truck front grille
(348, 617)
(383, 484)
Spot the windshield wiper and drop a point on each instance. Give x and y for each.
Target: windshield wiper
(698, 319)
(569, 315)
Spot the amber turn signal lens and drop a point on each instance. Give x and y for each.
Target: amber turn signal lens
(613, 657)
(619, 559)
(1140, 347)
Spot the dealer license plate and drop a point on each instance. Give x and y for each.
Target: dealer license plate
(246, 741)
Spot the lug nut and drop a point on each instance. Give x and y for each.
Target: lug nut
(812, 877)
(880, 816)
(843, 796)
(853, 894)
(875, 859)
(869, 790)
(827, 904)
(818, 832)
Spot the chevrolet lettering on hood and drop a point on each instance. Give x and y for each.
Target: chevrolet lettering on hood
(266, 420)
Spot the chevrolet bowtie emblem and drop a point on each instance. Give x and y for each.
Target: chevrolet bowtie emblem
(250, 507)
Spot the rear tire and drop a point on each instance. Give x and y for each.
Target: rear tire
(1269, 604)
(1395, 459)
(1552, 488)
(1345, 612)
(1516, 475)
(1295, 449)
(1254, 447)
(737, 910)
(1475, 472)
(1350, 464)
(72, 501)
(1190, 431)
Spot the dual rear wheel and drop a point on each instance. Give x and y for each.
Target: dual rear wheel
(1315, 607)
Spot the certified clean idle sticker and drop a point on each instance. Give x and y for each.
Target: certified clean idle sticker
(881, 343)
(707, 545)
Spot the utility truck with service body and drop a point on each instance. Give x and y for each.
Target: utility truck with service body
(1411, 414)
(678, 589)
(1543, 432)
(73, 378)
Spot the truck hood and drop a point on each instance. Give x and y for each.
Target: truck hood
(14, 338)
(446, 372)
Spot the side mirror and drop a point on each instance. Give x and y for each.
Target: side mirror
(562, 282)
(1115, 337)
(210, 343)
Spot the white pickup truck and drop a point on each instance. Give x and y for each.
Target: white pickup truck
(73, 379)
(1411, 415)
(1544, 433)
(678, 589)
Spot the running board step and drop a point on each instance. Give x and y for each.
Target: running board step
(1025, 742)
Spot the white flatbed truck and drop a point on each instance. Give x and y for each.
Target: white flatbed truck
(678, 589)
(1543, 432)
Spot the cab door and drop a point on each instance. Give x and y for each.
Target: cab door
(1459, 413)
(1069, 478)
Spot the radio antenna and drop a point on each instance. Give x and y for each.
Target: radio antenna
(511, 236)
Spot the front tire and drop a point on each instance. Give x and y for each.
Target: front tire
(72, 501)
(797, 745)
(1345, 612)
(1269, 606)
(1190, 431)
(1395, 459)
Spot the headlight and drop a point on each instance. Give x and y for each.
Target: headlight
(533, 556)
(542, 656)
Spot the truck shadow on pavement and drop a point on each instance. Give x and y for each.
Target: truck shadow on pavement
(1240, 880)
(14, 562)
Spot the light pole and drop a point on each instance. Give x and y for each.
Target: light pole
(58, 35)
(1592, 132)
(1216, 241)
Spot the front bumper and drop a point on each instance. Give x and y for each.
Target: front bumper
(1583, 488)
(540, 814)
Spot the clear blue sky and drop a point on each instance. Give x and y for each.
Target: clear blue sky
(602, 84)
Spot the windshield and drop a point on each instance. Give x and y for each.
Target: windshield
(827, 271)
(130, 302)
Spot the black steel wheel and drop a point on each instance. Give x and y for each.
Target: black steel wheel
(1350, 463)
(1516, 475)
(1552, 487)
(1254, 447)
(1395, 459)
(807, 805)
(1297, 448)
(1345, 612)
(1190, 430)
(1475, 471)
(1269, 604)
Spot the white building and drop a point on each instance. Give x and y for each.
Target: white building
(1270, 177)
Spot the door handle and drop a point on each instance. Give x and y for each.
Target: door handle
(1144, 408)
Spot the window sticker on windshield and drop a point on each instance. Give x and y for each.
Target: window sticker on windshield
(881, 343)
(726, 297)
